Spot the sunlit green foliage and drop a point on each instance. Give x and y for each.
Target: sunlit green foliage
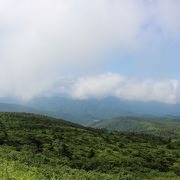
(39, 147)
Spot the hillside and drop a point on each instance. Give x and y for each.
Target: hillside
(7, 107)
(77, 110)
(40, 147)
(163, 126)
(82, 111)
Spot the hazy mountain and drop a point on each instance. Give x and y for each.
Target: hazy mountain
(5, 107)
(83, 111)
(80, 111)
(87, 110)
(155, 125)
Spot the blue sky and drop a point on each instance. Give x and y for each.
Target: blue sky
(162, 63)
(79, 48)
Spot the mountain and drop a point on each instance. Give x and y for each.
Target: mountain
(6, 107)
(83, 111)
(167, 125)
(80, 111)
(40, 147)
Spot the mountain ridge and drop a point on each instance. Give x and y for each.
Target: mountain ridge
(167, 125)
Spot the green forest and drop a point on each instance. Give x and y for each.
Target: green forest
(167, 126)
(38, 147)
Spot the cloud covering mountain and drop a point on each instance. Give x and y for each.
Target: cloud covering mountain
(115, 85)
(51, 47)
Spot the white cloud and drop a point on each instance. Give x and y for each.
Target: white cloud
(116, 85)
(40, 40)
(167, 15)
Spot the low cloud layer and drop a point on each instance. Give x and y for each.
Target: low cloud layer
(115, 85)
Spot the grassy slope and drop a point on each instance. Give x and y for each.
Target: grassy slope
(39, 147)
(163, 126)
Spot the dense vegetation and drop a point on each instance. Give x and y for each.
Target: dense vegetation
(167, 126)
(39, 147)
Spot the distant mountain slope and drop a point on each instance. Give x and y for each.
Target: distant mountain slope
(78, 110)
(82, 111)
(40, 147)
(155, 125)
(6, 107)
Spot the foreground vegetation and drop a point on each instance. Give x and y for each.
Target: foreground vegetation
(39, 147)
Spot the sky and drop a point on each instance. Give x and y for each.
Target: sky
(90, 49)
